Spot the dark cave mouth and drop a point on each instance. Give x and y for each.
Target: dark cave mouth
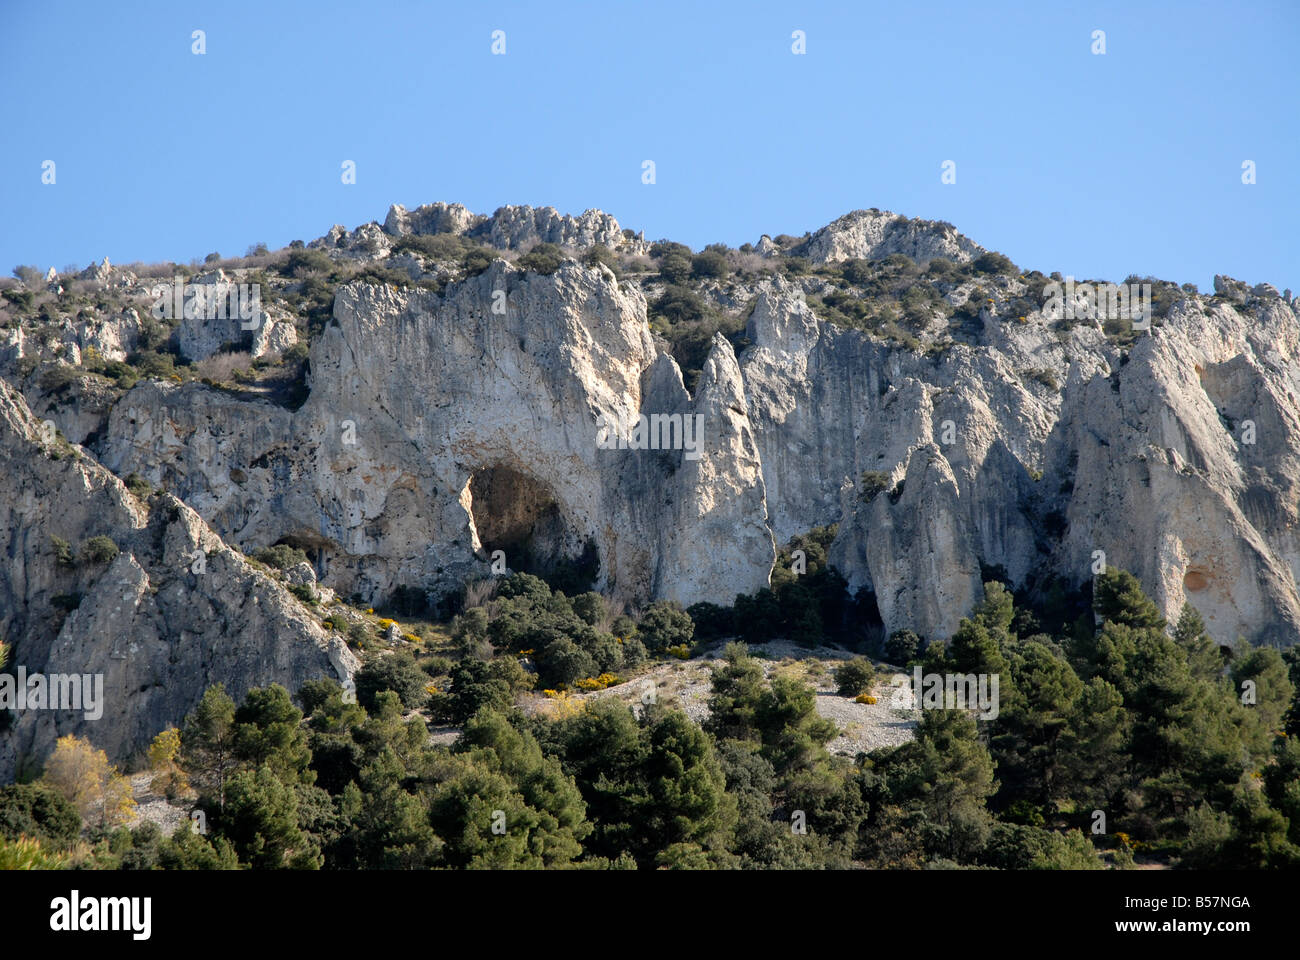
(520, 515)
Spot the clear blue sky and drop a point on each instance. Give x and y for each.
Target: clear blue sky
(1099, 166)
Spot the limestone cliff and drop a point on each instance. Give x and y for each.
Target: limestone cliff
(174, 611)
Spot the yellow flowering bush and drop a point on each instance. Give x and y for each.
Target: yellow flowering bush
(564, 705)
(597, 683)
(385, 623)
(681, 651)
(864, 698)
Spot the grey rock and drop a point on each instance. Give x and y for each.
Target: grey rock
(158, 632)
(874, 235)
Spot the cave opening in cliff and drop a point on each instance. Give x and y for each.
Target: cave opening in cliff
(520, 515)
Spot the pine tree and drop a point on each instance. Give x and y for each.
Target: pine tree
(208, 747)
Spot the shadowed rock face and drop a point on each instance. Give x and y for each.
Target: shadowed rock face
(443, 426)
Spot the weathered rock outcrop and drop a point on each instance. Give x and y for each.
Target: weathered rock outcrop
(512, 227)
(173, 612)
(875, 234)
(219, 313)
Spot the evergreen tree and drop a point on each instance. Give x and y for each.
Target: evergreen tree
(685, 799)
(1203, 656)
(268, 731)
(260, 819)
(738, 688)
(208, 749)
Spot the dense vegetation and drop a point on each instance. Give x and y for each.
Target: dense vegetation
(1114, 740)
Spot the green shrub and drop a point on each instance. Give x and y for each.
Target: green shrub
(711, 621)
(710, 263)
(634, 652)
(679, 305)
(478, 259)
(397, 672)
(543, 258)
(382, 275)
(874, 483)
(601, 254)
(590, 607)
(29, 275)
(123, 373)
(858, 272)
(994, 263)
(301, 263)
(138, 486)
(563, 662)
(855, 676)
(98, 550)
(476, 684)
(40, 812)
(675, 267)
(941, 269)
(902, 647)
(63, 552)
(154, 365)
(664, 624)
(437, 666)
(281, 556)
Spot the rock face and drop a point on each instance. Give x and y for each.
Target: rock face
(220, 314)
(114, 339)
(513, 228)
(1186, 467)
(1178, 460)
(919, 550)
(430, 218)
(828, 405)
(875, 234)
(156, 630)
(390, 478)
